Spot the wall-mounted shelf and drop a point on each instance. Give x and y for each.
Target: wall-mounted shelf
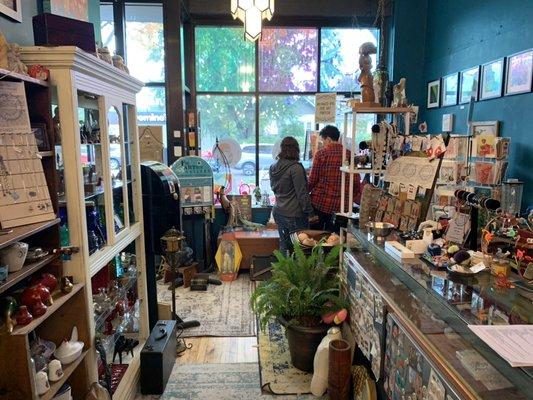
(27, 270)
(22, 232)
(6, 74)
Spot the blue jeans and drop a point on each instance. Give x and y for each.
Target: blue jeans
(286, 226)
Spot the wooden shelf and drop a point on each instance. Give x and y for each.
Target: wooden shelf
(58, 302)
(49, 153)
(67, 371)
(362, 170)
(13, 75)
(22, 232)
(26, 271)
(365, 109)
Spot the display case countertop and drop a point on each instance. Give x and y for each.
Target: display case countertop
(436, 309)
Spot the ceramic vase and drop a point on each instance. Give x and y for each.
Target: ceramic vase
(38, 308)
(23, 316)
(44, 294)
(319, 383)
(339, 370)
(14, 256)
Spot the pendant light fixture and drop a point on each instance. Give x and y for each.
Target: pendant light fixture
(252, 13)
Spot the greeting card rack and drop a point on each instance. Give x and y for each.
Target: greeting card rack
(98, 161)
(68, 309)
(349, 140)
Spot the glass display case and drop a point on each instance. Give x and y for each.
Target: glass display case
(100, 204)
(434, 310)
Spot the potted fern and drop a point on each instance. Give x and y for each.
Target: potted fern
(300, 291)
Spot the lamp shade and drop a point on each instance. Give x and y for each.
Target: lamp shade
(252, 12)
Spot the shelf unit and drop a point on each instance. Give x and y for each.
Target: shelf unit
(16, 376)
(349, 141)
(86, 88)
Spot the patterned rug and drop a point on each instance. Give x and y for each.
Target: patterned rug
(278, 376)
(222, 310)
(215, 381)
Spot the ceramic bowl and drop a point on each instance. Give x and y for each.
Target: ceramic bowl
(14, 256)
(380, 229)
(68, 352)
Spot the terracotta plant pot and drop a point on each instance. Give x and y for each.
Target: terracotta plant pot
(303, 342)
(339, 373)
(23, 316)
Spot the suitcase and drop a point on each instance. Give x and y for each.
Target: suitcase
(157, 357)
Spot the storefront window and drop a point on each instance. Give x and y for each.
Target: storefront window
(223, 117)
(107, 27)
(339, 57)
(145, 43)
(225, 62)
(288, 60)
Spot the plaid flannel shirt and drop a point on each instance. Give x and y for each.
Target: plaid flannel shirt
(325, 180)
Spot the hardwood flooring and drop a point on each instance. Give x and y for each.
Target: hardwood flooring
(219, 350)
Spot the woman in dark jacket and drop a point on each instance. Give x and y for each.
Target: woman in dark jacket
(293, 209)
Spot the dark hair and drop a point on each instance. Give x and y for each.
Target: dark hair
(330, 131)
(290, 149)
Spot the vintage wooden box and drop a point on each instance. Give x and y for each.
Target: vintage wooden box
(54, 30)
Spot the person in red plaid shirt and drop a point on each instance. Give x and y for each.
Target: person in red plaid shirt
(325, 179)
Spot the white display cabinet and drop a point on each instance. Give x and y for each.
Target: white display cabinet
(100, 196)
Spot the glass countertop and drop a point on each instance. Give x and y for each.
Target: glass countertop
(441, 307)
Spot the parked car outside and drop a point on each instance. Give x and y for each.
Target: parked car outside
(247, 161)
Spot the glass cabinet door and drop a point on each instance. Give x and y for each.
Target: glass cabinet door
(129, 126)
(93, 169)
(117, 167)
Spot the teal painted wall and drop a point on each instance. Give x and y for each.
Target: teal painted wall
(20, 32)
(465, 33)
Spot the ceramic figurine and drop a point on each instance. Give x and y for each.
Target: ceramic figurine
(8, 305)
(37, 71)
(365, 77)
(66, 285)
(55, 371)
(104, 55)
(41, 383)
(400, 99)
(13, 59)
(118, 62)
(47, 280)
(381, 78)
(44, 294)
(23, 316)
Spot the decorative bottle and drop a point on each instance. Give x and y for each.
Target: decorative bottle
(319, 383)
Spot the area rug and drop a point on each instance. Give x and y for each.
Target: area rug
(215, 381)
(222, 310)
(278, 376)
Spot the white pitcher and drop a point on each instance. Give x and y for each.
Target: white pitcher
(319, 383)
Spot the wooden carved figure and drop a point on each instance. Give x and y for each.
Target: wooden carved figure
(365, 77)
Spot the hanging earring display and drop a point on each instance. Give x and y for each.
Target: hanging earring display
(24, 195)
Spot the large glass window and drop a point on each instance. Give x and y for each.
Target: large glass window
(283, 87)
(229, 116)
(225, 62)
(107, 27)
(288, 60)
(339, 57)
(144, 42)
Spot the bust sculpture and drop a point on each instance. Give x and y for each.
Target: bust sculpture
(365, 77)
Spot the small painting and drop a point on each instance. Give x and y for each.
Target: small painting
(450, 85)
(433, 99)
(519, 73)
(12, 9)
(491, 79)
(469, 85)
(77, 9)
(484, 141)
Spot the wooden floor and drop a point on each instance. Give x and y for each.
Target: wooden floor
(220, 350)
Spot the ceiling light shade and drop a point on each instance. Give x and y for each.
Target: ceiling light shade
(252, 24)
(252, 13)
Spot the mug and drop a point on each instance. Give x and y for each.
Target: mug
(55, 370)
(41, 382)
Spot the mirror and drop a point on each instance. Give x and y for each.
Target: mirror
(116, 166)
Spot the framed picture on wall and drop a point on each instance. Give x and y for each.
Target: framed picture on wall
(519, 73)
(12, 9)
(484, 141)
(469, 86)
(450, 86)
(491, 83)
(433, 100)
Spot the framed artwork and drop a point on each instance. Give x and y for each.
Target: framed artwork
(450, 84)
(469, 85)
(39, 130)
(484, 141)
(491, 80)
(12, 9)
(519, 73)
(77, 9)
(228, 257)
(433, 99)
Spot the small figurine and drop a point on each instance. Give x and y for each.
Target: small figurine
(8, 307)
(118, 62)
(400, 99)
(37, 71)
(381, 78)
(365, 77)
(104, 55)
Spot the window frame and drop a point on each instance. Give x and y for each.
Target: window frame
(258, 93)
